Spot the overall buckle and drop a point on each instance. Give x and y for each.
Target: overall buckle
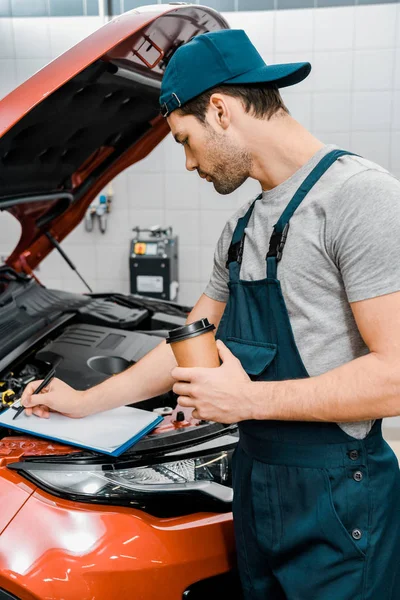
(282, 242)
(235, 252)
(277, 243)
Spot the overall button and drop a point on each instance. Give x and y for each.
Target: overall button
(357, 476)
(353, 454)
(356, 533)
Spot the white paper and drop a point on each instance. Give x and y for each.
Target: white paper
(105, 431)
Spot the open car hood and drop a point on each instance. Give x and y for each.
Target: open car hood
(85, 117)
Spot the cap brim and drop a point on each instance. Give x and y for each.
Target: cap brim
(281, 75)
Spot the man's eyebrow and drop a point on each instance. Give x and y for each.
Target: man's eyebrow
(176, 136)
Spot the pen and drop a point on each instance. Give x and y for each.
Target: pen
(45, 382)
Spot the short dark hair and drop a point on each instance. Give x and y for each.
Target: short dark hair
(259, 100)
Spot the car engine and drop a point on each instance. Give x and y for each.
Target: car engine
(89, 338)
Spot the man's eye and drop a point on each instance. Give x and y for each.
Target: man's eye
(185, 142)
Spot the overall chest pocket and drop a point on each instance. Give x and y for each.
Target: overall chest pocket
(255, 357)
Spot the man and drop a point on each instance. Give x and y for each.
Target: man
(305, 294)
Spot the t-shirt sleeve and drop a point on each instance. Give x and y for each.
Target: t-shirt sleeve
(217, 287)
(365, 235)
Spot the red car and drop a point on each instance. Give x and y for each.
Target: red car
(155, 523)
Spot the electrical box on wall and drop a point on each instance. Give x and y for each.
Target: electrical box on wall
(153, 263)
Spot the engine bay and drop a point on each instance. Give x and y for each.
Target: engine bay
(89, 339)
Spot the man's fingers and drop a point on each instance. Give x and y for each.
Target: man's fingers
(36, 399)
(38, 411)
(182, 389)
(30, 389)
(41, 411)
(224, 352)
(184, 373)
(185, 401)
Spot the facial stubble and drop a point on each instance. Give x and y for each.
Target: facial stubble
(230, 165)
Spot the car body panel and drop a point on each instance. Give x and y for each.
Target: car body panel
(56, 549)
(14, 448)
(14, 492)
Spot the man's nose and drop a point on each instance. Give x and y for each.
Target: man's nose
(191, 164)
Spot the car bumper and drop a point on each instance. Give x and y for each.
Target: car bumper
(54, 548)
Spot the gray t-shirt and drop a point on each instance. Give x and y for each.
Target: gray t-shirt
(343, 246)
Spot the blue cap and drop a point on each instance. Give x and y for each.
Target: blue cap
(221, 57)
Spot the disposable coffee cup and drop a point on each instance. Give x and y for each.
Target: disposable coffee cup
(194, 345)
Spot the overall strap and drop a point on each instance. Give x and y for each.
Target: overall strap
(235, 251)
(279, 235)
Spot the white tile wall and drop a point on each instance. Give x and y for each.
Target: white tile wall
(397, 67)
(189, 263)
(145, 218)
(50, 267)
(8, 75)
(111, 261)
(74, 284)
(340, 138)
(186, 224)
(395, 153)
(211, 200)
(333, 70)
(334, 28)
(190, 292)
(174, 155)
(145, 190)
(294, 30)
(7, 46)
(81, 237)
(351, 98)
(26, 67)
(332, 111)
(373, 144)
(111, 285)
(299, 105)
(182, 191)
(55, 284)
(373, 69)
(65, 32)
(84, 258)
(372, 110)
(122, 188)
(206, 262)
(396, 111)
(375, 26)
(212, 223)
(32, 37)
(153, 163)
(249, 190)
(33, 42)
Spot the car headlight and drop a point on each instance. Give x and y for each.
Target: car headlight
(202, 469)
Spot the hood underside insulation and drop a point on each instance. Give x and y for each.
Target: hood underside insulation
(95, 110)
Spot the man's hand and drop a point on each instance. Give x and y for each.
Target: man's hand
(57, 396)
(217, 394)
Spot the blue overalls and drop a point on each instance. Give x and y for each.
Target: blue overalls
(316, 511)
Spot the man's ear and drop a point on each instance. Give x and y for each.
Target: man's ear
(219, 111)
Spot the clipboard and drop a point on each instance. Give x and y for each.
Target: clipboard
(109, 432)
